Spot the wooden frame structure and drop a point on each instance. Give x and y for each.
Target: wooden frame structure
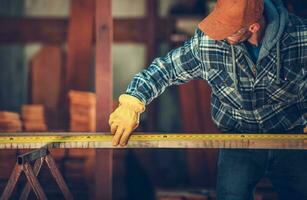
(104, 93)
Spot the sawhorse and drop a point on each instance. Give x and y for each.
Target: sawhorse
(23, 164)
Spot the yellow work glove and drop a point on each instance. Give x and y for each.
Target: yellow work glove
(125, 118)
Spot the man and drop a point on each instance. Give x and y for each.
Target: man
(254, 56)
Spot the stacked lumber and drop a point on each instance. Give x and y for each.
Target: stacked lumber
(195, 194)
(34, 117)
(82, 109)
(10, 122)
(183, 194)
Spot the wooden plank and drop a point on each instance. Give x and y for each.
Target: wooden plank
(207, 157)
(21, 30)
(47, 67)
(7, 162)
(132, 29)
(54, 30)
(151, 23)
(204, 103)
(104, 93)
(80, 37)
(129, 30)
(80, 57)
(191, 121)
(188, 107)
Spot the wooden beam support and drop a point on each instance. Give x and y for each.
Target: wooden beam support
(129, 30)
(195, 116)
(22, 30)
(151, 28)
(54, 30)
(80, 37)
(151, 51)
(104, 94)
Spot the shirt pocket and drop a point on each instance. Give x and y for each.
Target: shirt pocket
(284, 91)
(223, 87)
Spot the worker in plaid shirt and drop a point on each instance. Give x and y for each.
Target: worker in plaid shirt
(253, 53)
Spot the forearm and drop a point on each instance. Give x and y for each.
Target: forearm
(149, 83)
(178, 66)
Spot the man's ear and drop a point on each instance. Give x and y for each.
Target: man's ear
(255, 27)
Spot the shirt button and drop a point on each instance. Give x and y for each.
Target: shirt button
(254, 70)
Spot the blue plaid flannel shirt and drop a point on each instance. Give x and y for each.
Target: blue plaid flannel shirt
(253, 103)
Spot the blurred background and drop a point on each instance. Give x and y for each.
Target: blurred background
(47, 59)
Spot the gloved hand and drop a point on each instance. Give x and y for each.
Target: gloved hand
(125, 118)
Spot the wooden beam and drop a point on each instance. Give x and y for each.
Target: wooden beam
(54, 30)
(104, 93)
(79, 61)
(151, 50)
(132, 30)
(80, 37)
(203, 92)
(195, 116)
(191, 122)
(151, 27)
(128, 30)
(190, 119)
(204, 158)
(22, 30)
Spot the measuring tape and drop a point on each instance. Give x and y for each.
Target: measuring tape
(72, 137)
(100, 140)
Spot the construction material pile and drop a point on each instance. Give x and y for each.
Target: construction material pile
(82, 109)
(10, 122)
(34, 117)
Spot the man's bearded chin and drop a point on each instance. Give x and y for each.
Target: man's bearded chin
(234, 42)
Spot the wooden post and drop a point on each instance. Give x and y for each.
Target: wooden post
(104, 87)
(151, 49)
(208, 156)
(79, 44)
(196, 117)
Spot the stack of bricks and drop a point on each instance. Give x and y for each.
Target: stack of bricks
(10, 122)
(34, 118)
(82, 111)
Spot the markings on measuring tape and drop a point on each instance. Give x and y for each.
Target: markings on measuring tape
(146, 137)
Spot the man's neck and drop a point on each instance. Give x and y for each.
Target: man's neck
(257, 37)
